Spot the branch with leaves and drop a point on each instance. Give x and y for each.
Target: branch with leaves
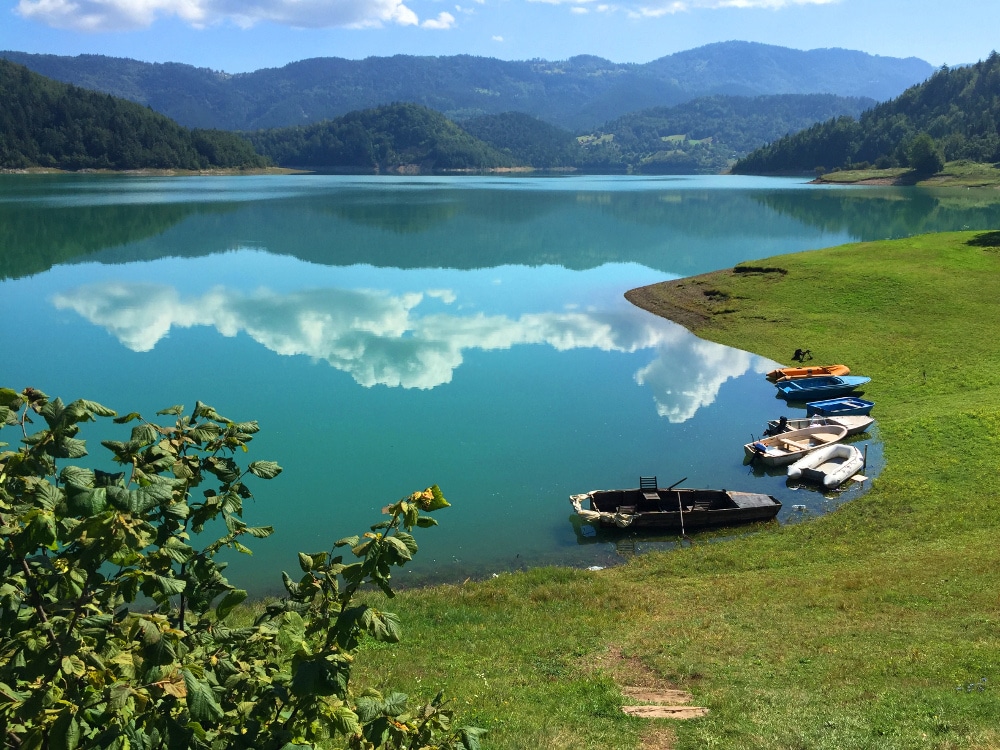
(113, 619)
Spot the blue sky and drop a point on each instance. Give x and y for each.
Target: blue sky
(243, 35)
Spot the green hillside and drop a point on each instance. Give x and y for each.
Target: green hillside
(527, 139)
(44, 123)
(954, 115)
(393, 138)
(706, 135)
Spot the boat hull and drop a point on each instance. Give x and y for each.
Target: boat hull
(783, 374)
(844, 406)
(783, 449)
(673, 509)
(855, 424)
(811, 389)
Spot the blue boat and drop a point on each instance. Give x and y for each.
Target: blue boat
(840, 407)
(811, 389)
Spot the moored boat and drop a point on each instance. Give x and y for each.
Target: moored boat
(855, 423)
(844, 405)
(782, 374)
(810, 389)
(782, 449)
(829, 466)
(679, 509)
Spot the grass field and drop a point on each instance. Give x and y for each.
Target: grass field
(875, 626)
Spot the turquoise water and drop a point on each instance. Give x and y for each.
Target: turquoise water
(390, 333)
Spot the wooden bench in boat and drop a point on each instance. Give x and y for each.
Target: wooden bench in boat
(649, 488)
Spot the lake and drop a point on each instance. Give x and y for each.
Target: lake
(393, 332)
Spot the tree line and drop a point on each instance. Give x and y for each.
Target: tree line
(953, 115)
(44, 123)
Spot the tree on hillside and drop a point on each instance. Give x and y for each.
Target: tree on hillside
(925, 155)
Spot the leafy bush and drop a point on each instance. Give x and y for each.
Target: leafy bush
(113, 623)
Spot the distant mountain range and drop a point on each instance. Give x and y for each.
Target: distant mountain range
(578, 94)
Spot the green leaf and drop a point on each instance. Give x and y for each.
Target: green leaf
(223, 467)
(229, 602)
(201, 701)
(47, 495)
(176, 410)
(141, 499)
(402, 551)
(167, 586)
(90, 407)
(347, 541)
(145, 434)
(177, 550)
(130, 417)
(265, 469)
(382, 626)
(395, 703)
(77, 475)
(65, 732)
(470, 737)
(345, 721)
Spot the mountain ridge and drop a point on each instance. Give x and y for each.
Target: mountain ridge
(577, 94)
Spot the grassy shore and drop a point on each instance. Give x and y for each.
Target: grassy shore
(960, 173)
(876, 626)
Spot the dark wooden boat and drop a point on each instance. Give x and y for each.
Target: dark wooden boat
(652, 507)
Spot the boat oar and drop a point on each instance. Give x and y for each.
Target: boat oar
(680, 505)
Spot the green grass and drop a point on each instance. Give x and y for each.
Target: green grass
(862, 628)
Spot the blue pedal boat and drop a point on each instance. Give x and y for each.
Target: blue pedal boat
(812, 389)
(845, 406)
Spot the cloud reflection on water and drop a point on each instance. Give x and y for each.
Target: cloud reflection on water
(413, 339)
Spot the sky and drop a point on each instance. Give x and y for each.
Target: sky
(238, 36)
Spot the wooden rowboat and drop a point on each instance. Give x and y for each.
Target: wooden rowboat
(789, 446)
(782, 374)
(672, 509)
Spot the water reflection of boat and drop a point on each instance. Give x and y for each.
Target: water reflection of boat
(679, 509)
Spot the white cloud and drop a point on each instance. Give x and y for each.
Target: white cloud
(124, 15)
(497, 38)
(443, 21)
(383, 339)
(665, 7)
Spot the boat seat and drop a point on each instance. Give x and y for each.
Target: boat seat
(795, 445)
(648, 487)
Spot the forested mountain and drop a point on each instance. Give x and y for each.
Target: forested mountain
(577, 94)
(703, 136)
(44, 123)
(393, 138)
(955, 114)
(527, 139)
(707, 134)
